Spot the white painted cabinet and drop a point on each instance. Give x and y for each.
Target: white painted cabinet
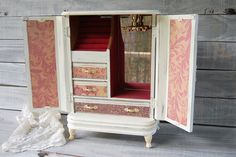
(77, 63)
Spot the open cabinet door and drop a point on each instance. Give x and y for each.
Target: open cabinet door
(180, 33)
(44, 53)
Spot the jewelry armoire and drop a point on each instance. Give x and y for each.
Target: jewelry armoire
(76, 63)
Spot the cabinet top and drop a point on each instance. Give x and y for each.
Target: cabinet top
(110, 12)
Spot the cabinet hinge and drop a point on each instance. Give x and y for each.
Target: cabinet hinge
(71, 97)
(67, 31)
(162, 110)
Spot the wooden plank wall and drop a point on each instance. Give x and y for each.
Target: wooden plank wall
(215, 102)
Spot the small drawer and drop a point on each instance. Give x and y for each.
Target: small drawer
(96, 90)
(137, 111)
(89, 71)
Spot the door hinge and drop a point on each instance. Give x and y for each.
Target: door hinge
(70, 97)
(162, 109)
(67, 31)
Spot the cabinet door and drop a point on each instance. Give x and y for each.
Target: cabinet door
(178, 35)
(44, 62)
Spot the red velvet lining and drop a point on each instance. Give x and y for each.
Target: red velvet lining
(116, 58)
(138, 86)
(135, 91)
(133, 94)
(94, 33)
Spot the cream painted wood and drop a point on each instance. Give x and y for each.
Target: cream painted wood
(111, 12)
(113, 99)
(148, 140)
(112, 124)
(108, 74)
(61, 67)
(161, 71)
(192, 72)
(92, 83)
(72, 134)
(60, 64)
(68, 62)
(30, 104)
(90, 56)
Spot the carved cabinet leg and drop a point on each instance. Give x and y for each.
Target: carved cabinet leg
(72, 134)
(148, 140)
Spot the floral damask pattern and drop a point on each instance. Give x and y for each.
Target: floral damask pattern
(90, 90)
(90, 72)
(178, 74)
(42, 62)
(112, 109)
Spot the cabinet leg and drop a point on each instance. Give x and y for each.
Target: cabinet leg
(148, 140)
(72, 134)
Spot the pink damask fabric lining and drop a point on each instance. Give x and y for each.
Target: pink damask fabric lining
(42, 62)
(178, 75)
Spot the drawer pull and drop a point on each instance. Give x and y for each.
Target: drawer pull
(89, 71)
(89, 89)
(90, 107)
(134, 110)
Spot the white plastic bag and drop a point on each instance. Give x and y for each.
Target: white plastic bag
(36, 132)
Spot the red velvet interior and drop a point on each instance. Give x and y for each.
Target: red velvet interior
(116, 57)
(93, 33)
(119, 88)
(135, 91)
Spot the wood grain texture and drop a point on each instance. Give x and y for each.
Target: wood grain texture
(169, 141)
(212, 111)
(11, 28)
(216, 84)
(211, 55)
(211, 28)
(12, 51)
(217, 28)
(216, 55)
(13, 97)
(12, 74)
(51, 7)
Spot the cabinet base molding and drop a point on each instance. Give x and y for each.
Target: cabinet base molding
(113, 124)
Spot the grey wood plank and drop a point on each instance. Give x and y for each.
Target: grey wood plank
(9, 116)
(12, 51)
(218, 84)
(211, 28)
(216, 55)
(11, 28)
(213, 111)
(210, 55)
(217, 28)
(169, 141)
(51, 7)
(12, 74)
(13, 97)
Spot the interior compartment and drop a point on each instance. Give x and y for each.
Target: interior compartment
(99, 33)
(90, 33)
(121, 85)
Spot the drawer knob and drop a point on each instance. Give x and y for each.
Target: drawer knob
(134, 110)
(90, 107)
(93, 71)
(89, 89)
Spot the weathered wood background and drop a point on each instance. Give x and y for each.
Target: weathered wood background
(215, 102)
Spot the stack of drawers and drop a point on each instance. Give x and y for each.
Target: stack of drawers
(90, 78)
(91, 87)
